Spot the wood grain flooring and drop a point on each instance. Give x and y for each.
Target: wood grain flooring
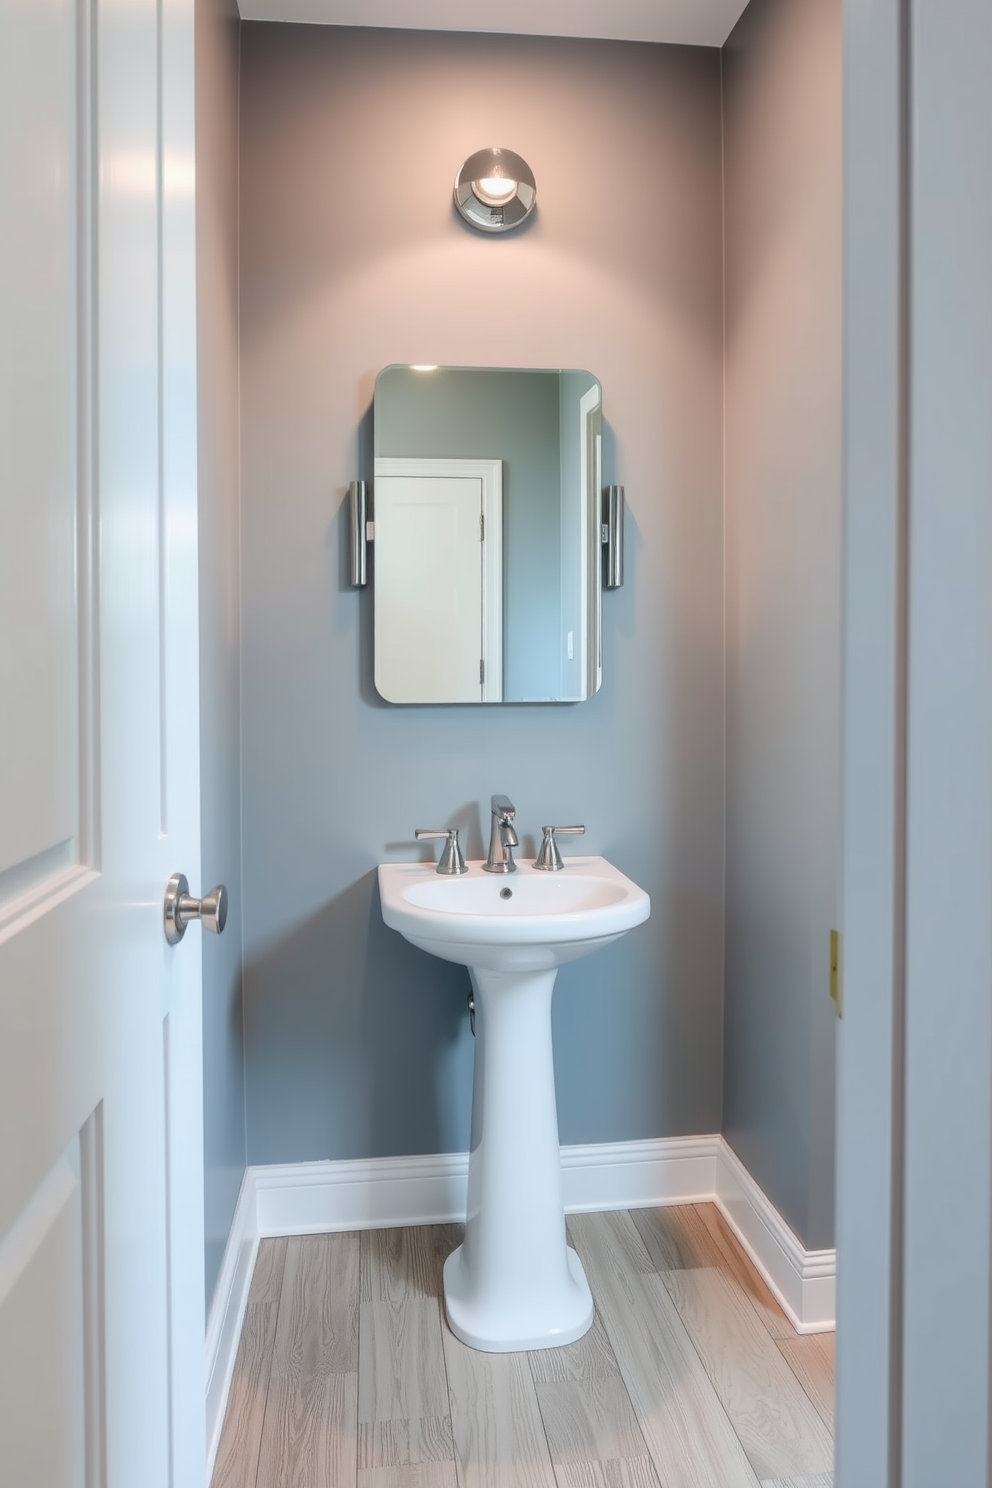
(691, 1376)
(812, 1361)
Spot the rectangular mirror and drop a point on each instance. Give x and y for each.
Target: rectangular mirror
(487, 553)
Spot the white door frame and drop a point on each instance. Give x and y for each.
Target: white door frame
(490, 473)
(869, 1052)
(915, 1042)
(947, 1137)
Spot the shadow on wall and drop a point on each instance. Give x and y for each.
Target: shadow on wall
(386, 1024)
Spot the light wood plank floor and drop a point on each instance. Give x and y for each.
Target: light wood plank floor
(347, 1375)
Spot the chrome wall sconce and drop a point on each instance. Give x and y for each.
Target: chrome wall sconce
(612, 535)
(362, 532)
(495, 190)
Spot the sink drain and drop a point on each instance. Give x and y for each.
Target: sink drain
(506, 893)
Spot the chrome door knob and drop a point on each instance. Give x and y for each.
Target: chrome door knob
(181, 907)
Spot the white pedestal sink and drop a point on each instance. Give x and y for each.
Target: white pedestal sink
(514, 1283)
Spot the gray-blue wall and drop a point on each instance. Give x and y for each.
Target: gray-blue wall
(782, 124)
(217, 27)
(357, 1044)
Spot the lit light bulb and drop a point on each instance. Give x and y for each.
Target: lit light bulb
(495, 191)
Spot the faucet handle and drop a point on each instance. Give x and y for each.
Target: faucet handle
(549, 859)
(451, 860)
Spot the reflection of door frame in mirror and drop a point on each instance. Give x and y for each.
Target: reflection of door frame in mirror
(490, 474)
(590, 474)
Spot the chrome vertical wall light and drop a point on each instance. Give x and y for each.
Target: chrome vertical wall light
(361, 532)
(612, 531)
(495, 190)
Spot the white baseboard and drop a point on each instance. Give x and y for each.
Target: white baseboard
(638, 1175)
(227, 1310)
(804, 1281)
(320, 1197)
(316, 1198)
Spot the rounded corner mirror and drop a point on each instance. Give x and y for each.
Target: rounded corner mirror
(487, 516)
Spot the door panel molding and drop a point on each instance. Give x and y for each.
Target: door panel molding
(87, 485)
(31, 889)
(26, 1235)
(46, 776)
(52, 694)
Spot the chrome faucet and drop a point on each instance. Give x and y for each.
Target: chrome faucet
(502, 838)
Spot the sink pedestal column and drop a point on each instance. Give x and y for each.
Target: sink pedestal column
(514, 1283)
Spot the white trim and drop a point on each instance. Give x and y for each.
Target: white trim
(320, 1197)
(490, 473)
(227, 1309)
(639, 1175)
(804, 1281)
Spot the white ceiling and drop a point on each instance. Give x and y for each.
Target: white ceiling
(693, 22)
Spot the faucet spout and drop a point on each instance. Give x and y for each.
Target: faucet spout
(502, 837)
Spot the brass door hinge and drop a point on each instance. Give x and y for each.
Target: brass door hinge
(836, 973)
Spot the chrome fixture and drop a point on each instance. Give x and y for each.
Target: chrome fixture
(502, 838)
(471, 1012)
(362, 531)
(451, 860)
(549, 859)
(180, 908)
(612, 534)
(495, 190)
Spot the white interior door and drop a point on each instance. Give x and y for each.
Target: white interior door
(438, 580)
(101, 1295)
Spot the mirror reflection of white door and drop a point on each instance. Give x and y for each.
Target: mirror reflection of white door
(101, 1232)
(438, 580)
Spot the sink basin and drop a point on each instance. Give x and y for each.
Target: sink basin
(524, 921)
(514, 1283)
